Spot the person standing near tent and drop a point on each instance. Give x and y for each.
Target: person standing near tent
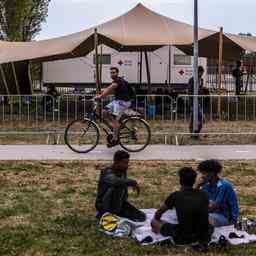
(201, 91)
(49, 100)
(238, 75)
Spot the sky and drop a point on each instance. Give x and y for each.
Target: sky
(69, 16)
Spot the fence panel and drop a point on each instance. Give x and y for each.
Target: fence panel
(41, 114)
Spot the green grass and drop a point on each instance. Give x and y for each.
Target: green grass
(47, 208)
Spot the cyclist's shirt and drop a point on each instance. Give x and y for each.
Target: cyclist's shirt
(122, 90)
(122, 100)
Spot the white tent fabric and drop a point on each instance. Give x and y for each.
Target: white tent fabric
(138, 29)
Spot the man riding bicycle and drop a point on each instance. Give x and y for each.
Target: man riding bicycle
(123, 94)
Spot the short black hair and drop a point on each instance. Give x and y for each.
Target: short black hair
(210, 166)
(115, 68)
(187, 176)
(238, 63)
(201, 69)
(120, 155)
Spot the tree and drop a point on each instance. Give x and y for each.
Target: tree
(245, 34)
(20, 20)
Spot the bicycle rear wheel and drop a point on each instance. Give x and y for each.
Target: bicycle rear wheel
(82, 136)
(134, 134)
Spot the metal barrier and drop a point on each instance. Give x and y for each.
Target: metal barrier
(152, 107)
(156, 107)
(27, 115)
(228, 81)
(221, 114)
(27, 108)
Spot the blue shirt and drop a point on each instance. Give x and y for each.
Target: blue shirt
(223, 194)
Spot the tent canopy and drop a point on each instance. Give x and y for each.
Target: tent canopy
(139, 29)
(209, 48)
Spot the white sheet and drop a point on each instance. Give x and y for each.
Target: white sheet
(143, 230)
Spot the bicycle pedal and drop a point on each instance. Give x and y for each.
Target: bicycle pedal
(112, 143)
(110, 138)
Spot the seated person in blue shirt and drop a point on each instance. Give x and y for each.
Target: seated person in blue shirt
(223, 206)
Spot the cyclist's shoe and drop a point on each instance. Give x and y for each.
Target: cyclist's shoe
(112, 143)
(110, 137)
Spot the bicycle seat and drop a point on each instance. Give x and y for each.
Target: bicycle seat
(131, 112)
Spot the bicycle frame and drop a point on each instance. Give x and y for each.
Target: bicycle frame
(99, 120)
(126, 132)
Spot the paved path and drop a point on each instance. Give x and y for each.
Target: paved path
(154, 152)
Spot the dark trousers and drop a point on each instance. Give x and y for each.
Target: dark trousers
(172, 230)
(169, 229)
(239, 86)
(115, 201)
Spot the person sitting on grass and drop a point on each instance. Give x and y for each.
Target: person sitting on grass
(223, 207)
(112, 195)
(191, 206)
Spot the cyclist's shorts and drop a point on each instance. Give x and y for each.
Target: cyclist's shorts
(118, 107)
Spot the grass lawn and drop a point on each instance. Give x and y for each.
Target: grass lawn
(47, 208)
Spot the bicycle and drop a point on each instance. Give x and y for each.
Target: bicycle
(83, 135)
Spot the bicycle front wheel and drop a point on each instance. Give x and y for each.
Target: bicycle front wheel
(134, 134)
(82, 136)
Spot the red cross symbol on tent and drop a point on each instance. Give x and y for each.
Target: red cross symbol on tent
(181, 72)
(120, 62)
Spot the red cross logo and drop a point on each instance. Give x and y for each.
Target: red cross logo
(181, 72)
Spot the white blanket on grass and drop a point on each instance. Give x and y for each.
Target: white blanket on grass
(143, 230)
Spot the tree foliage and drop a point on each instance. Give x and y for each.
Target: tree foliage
(20, 20)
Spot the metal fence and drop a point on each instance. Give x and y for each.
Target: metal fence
(27, 108)
(228, 81)
(220, 114)
(42, 114)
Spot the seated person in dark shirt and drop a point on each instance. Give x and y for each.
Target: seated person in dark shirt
(192, 212)
(223, 207)
(112, 192)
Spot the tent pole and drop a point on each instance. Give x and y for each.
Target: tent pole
(220, 68)
(169, 67)
(4, 80)
(195, 69)
(101, 64)
(140, 68)
(98, 89)
(220, 57)
(98, 85)
(15, 78)
(30, 78)
(148, 72)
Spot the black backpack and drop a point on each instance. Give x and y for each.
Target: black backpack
(131, 90)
